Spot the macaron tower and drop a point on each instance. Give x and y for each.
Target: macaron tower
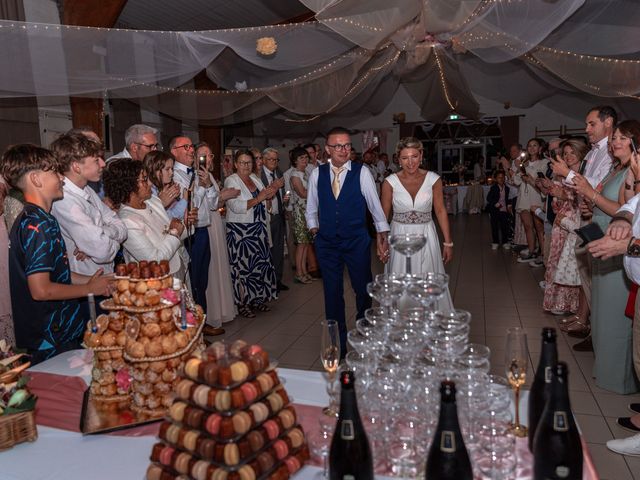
(152, 329)
(231, 420)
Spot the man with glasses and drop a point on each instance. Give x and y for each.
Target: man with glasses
(204, 197)
(272, 176)
(139, 140)
(339, 194)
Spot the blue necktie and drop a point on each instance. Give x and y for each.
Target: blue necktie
(189, 170)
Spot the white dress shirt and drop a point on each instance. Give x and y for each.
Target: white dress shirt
(367, 187)
(274, 201)
(632, 264)
(123, 154)
(149, 237)
(310, 167)
(90, 226)
(204, 199)
(598, 163)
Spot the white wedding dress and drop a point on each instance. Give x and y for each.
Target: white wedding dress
(415, 216)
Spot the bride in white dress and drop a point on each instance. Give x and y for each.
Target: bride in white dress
(408, 199)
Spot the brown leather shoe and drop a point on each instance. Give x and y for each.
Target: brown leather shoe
(584, 346)
(212, 331)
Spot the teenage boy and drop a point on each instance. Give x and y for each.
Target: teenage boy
(92, 231)
(44, 292)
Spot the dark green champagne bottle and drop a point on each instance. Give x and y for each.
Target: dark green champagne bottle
(350, 455)
(448, 458)
(541, 386)
(557, 449)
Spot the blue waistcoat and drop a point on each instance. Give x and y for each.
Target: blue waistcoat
(346, 215)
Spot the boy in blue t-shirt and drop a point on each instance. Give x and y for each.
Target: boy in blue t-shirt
(44, 292)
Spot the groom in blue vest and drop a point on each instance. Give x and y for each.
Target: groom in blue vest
(339, 194)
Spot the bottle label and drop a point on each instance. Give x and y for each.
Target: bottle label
(562, 471)
(448, 442)
(346, 432)
(560, 422)
(548, 375)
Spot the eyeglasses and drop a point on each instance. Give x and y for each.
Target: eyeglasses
(186, 146)
(269, 159)
(340, 147)
(150, 146)
(245, 163)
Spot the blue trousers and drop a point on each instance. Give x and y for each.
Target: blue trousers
(333, 254)
(200, 252)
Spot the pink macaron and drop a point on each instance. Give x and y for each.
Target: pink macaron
(212, 424)
(281, 449)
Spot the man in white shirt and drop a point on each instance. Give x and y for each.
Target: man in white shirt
(92, 231)
(600, 123)
(315, 154)
(204, 197)
(139, 140)
(339, 194)
(271, 175)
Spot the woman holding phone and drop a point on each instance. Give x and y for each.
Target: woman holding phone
(610, 328)
(528, 196)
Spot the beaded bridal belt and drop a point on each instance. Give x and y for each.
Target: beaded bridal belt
(412, 217)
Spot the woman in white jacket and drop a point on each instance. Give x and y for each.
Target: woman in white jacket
(151, 234)
(252, 272)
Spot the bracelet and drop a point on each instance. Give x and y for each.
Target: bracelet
(595, 195)
(447, 244)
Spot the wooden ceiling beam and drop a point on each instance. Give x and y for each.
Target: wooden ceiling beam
(88, 112)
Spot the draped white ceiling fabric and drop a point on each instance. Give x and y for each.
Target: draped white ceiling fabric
(348, 62)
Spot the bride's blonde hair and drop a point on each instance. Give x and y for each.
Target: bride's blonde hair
(408, 142)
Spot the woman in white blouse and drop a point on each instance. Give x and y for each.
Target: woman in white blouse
(252, 272)
(152, 235)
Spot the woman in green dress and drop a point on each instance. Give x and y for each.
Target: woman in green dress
(302, 237)
(610, 328)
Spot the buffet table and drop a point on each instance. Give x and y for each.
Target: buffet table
(63, 454)
(455, 195)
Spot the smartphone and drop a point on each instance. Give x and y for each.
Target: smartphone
(523, 170)
(202, 161)
(541, 175)
(633, 146)
(189, 200)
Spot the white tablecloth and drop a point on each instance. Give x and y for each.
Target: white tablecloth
(63, 455)
(459, 193)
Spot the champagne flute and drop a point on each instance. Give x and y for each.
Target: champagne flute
(330, 357)
(516, 362)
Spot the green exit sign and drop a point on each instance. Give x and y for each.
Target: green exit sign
(454, 116)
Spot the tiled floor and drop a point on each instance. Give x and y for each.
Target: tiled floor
(499, 293)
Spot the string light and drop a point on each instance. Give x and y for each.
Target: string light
(443, 81)
(352, 23)
(362, 79)
(359, 52)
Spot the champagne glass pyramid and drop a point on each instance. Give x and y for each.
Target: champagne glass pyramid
(408, 244)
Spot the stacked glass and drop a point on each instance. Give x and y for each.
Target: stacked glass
(401, 351)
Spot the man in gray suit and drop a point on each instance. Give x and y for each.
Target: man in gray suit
(271, 174)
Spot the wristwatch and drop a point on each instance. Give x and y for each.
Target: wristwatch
(633, 249)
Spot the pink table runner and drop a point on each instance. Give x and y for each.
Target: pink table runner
(60, 404)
